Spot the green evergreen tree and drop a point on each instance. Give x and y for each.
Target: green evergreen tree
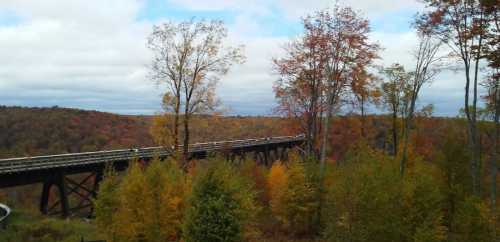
(213, 215)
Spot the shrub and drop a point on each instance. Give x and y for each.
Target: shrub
(257, 175)
(277, 183)
(293, 200)
(300, 200)
(26, 227)
(472, 221)
(172, 202)
(220, 207)
(145, 205)
(132, 213)
(370, 201)
(106, 205)
(363, 203)
(423, 205)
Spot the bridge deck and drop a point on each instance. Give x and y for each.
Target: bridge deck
(57, 170)
(26, 164)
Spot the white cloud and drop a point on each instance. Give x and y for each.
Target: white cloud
(445, 92)
(73, 55)
(92, 54)
(396, 47)
(248, 88)
(75, 51)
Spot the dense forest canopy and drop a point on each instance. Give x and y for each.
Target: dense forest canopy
(44, 131)
(403, 175)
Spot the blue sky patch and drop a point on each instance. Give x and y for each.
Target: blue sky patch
(154, 10)
(9, 18)
(393, 22)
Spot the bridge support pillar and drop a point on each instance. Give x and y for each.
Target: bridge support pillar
(57, 180)
(97, 179)
(44, 202)
(242, 156)
(266, 155)
(271, 156)
(83, 191)
(61, 185)
(284, 154)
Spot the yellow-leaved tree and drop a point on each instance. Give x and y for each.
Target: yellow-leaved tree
(172, 199)
(132, 213)
(300, 200)
(146, 205)
(292, 197)
(277, 182)
(106, 205)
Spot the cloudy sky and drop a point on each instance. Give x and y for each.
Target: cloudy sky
(91, 54)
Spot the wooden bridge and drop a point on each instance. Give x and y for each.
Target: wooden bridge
(78, 174)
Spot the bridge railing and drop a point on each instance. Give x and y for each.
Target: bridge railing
(56, 170)
(54, 161)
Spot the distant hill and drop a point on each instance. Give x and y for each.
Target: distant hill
(37, 131)
(26, 131)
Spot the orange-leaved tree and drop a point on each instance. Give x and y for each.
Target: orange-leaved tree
(277, 182)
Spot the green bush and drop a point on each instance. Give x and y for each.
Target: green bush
(472, 221)
(220, 207)
(25, 227)
(106, 205)
(423, 205)
(369, 201)
(300, 200)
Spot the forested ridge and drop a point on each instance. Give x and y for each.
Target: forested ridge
(30, 131)
(363, 198)
(41, 131)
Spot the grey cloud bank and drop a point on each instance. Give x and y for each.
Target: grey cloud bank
(92, 55)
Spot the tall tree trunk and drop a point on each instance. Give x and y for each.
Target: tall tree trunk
(324, 133)
(314, 126)
(319, 129)
(476, 160)
(363, 117)
(314, 131)
(472, 134)
(324, 139)
(406, 132)
(394, 134)
(406, 138)
(185, 147)
(494, 160)
(476, 152)
(309, 134)
(311, 127)
(176, 126)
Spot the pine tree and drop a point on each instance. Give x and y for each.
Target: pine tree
(212, 216)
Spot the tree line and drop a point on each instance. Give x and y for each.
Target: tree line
(421, 184)
(330, 65)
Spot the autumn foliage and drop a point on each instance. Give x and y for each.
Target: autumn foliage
(402, 176)
(146, 204)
